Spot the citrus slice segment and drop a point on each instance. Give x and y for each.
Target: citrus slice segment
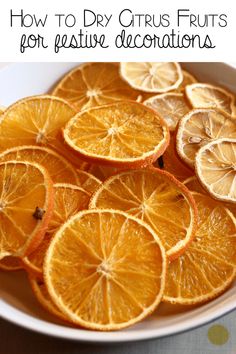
(209, 96)
(40, 291)
(199, 127)
(155, 197)
(10, 264)
(94, 84)
(105, 269)
(88, 181)
(216, 169)
(26, 202)
(171, 162)
(188, 79)
(68, 200)
(152, 77)
(59, 169)
(170, 106)
(121, 134)
(207, 268)
(35, 120)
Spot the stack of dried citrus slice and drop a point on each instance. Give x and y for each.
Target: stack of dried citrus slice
(99, 202)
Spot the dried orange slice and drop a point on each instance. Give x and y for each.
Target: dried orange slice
(26, 201)
(188, 79)
(102, 172)
(170, 106)
(94, 84)
(40, 291)
(120, 134)
(207, 268)
(216, 169)
(171, 162)
(155, 197)
(209, 96)
(68, 200)
(59, 169)
(35, 120)
(10, 264)
(88, 181)
(105, 269)
(152, 77)
(199, 127)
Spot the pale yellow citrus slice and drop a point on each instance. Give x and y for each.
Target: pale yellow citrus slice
(120, 134)
(216, 169)
(188, 79)
(94, 84)
(209, 96)
(152, 77)
(171, 162)
(40, 291)
(155, 197)
(26, 202)
(199, 127)
(36, 120)
(105, 269)
(170, 106)
(68, 200)
(59, 169)
(10, 264)
(208, 266)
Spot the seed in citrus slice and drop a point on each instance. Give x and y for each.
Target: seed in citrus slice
(152, 77)
(94, 84)
(35, 120)
(40, 291)
(155, 197)
(59, 169)
(170, 106)
(10, 264)
(105, 269)
(208, 266)
(68, 200)
(88, 181)
(199, 127)
(216, 169)
(120, 134)
(26, 202)
(209, 96)
(171, 162)
(188, 79)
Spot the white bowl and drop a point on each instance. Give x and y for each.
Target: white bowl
(17, 303)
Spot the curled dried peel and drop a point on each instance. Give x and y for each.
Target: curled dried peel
(121, 134)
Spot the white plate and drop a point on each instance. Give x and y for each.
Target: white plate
(17, 303)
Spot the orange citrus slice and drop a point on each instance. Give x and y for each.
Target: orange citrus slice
(35, 120)
(105, 269)
(171, 162)
(216, 169)
(155, 197)
(102, 172)
(199, 127)
(170, 106)
(68, 200)
(59, 169)
(121, 134)
(10, 264)
(94, 84)
(26, 201)
(88, 181)
(188, 79)
(208, 266)
(209, 96)
(152, 77)
(40, 291)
